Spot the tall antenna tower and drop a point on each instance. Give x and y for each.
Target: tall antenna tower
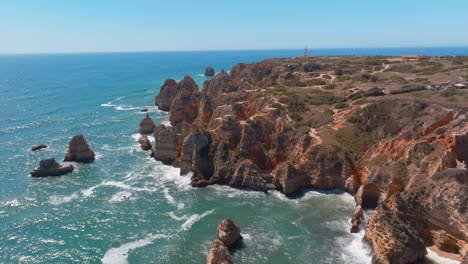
(306, 51)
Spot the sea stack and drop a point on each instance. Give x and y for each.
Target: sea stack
(227, 234)
(79, 150)
(147, 125)
(209, 71)
(49, 167)
(166, 95)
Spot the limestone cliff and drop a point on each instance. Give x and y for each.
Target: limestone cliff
(267, 125)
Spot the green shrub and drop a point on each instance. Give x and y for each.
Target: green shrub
(339, 72)
(343, 78)
(402, 68)
(375, 91)
(315, 82)
(450, 92)
(408, 88)
(399, 80)
(311, 66)
(320, 98)
(441, 130)
(330, 86)
(341, 105)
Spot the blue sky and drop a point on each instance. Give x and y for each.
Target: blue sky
(48, 26)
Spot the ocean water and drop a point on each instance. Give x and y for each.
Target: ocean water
(126, 207)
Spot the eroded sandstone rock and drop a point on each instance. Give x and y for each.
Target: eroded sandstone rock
(147, 125)
(166, 95)
(144, 142)
(219, 254)
(393, 239)
(165, 148)
(79, 150)
(228, 232)
(358, 218)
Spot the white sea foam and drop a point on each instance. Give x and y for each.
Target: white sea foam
(61, 199)
(305, 196)
(119, 255)
(88, 192)
(98, 155)
(233, 192)
(177, 218)
(124, 186)
(136, 137)
(357, 249)
(170, 199)
(193, 219)
(108, 104)
(53, 241)
(12, 203)
(120, 197)
(431, 255)
(171, 175)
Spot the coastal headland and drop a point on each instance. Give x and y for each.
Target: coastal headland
(392, 131)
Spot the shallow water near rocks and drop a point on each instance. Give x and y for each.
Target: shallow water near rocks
(126, 207)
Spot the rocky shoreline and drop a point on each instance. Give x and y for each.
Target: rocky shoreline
(283, 124)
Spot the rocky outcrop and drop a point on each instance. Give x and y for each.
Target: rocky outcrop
(209, 71)
(38, 147)
(437, 207)
(79, 150)
(184, 108)
(49, 167)
(392, 238)
(166, 95)
(228, 232)
(219, 253)
(357, 219)
(144, 142)
(147, 125)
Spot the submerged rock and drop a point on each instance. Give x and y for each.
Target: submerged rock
(38, 147)
(145, 143)
(147, 125)
(219, 254)
(49, 167)
(228, 232)
(209, 71)
(79, 150)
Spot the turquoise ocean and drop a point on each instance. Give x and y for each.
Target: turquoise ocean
(126, 207)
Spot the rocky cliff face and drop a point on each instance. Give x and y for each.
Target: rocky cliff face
(393, 154)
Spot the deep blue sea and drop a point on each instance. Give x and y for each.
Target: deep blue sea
(126, 207)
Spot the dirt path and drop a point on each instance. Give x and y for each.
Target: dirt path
(314, 134)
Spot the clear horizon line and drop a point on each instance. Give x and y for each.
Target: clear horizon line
(221, 50)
